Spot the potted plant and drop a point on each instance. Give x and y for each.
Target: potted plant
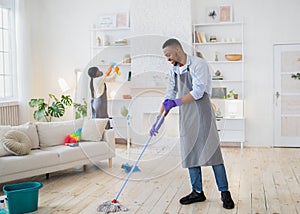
(231, 94)
(55, 107)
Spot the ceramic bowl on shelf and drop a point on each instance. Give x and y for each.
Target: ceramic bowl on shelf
(233, 57)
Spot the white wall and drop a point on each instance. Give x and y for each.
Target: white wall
(266, 23)
(58, 34)
(151, 28)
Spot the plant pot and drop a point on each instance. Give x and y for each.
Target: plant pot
(236, 96)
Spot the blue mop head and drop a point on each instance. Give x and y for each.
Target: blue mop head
(128, 167)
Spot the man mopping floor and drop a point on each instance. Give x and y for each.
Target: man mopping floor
(190, 79)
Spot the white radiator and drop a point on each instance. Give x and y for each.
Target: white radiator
(9, 114)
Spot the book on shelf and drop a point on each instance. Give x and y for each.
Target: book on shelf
(217, 78)
(196, 40)
(201, 37)
(198, 37)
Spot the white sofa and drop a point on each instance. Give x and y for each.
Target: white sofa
(49, 154)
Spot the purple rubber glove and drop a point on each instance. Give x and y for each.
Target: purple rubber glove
(156, 125)
(168, 104)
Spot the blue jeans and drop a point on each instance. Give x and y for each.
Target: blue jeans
(220, 176)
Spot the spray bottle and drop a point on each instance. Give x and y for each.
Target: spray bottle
(3, 209)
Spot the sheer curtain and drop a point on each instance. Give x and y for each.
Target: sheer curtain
(24, 59)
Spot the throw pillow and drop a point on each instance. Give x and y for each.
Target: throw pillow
(3, 130)
(30, 130)
(74, 137)
(92, 129)
(17, 142)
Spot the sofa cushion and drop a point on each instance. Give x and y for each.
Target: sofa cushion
(3, 130)
(54, 133)
(91, 149)
(85, 150)
(30, 130)
(36, 159)
(93, 129)
(17, 142)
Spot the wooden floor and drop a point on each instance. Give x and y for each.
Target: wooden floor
(262, 180)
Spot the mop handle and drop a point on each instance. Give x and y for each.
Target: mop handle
(138, 159)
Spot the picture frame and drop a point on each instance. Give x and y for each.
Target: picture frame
(225, 13)
(122, 20)
(212, 14)
(107, 21)
(219, 93)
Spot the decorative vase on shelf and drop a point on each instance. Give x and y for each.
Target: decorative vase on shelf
(216, 56)
(106, 40)
(99, 41)
(217, 76)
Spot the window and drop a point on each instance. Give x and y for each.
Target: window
(7, 44)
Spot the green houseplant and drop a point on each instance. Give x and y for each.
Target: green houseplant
(230, 94)
(296, 76)
(80, 109)
(55, 107)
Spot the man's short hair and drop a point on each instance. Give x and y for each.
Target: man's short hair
(172, 42)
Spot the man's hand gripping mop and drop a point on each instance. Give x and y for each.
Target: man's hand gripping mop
(114, 205)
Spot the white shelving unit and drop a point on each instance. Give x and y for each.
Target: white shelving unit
(109, 37)
(227, 39)
(109, 45)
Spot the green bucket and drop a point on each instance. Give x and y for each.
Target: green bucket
(22, 197)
